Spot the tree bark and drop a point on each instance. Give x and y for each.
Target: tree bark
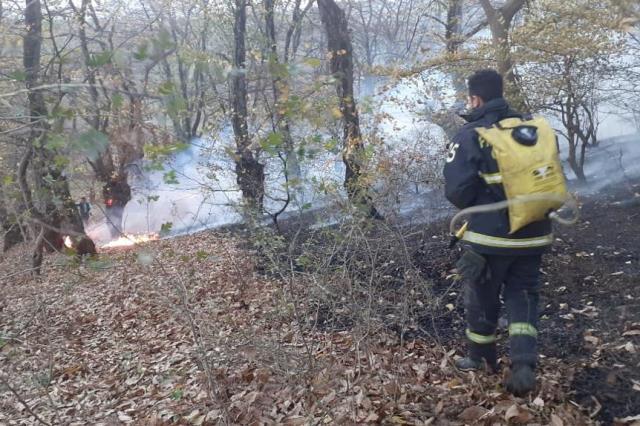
(280, 87)
(12, 214)
(249, 171)
(89, 70)
(292, 38)
(453, 40)
(12, 234)
(55, 205)
(500, 24)
(104, 166)
(453, 29)
(341, 53)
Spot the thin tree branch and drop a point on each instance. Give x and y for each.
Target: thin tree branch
(6, 384)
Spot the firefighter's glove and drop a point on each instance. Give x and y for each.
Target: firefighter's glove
(471, 265)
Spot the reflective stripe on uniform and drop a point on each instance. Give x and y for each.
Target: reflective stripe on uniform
(522, 329)
(480, 338)
(491, 241)
(491, 178)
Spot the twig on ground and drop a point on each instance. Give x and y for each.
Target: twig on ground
(6, 384)
(215, 393)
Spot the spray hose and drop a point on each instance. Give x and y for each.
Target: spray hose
(569, 201)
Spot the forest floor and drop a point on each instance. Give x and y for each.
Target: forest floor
(188, 331)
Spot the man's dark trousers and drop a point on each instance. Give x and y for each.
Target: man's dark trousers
(517, 278)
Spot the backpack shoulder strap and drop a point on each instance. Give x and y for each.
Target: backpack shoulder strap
(509, 123)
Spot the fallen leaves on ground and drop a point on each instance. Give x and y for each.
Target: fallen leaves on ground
(186, 331)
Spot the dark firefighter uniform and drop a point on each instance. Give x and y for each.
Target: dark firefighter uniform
(117, 194)
(509, 263)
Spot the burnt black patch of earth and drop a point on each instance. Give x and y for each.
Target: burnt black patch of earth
(607, 391)
(589, 288)
(590, 297)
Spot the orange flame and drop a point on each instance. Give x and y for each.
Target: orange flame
(129, 240)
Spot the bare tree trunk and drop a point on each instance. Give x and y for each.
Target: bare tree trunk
(576, 165)
(103, 166)
(292, 38)
(575, 137)
(249, 172)
(89, 71)
(341, 52)
(280, 87)
(51, 183)
(500, 24)
(200, 86)
(12, 213)
(12, 234)
(453, 29)
(453, 40)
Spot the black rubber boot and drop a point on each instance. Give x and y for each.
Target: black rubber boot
(468, 364)
(522, 380)
(477, 355)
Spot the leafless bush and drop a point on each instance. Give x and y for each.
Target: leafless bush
(346, 271)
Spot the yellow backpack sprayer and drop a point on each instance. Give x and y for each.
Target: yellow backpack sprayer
(529, 171)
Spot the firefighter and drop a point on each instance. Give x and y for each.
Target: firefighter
(495, 262)
(116, 193)
(85, 209)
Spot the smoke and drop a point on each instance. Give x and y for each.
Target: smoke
(197, 189)
(613, 161)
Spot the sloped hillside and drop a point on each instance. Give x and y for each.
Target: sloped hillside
(187, 331)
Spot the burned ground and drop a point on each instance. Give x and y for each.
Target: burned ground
(590, 307)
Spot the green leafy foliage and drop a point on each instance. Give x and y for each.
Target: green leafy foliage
(61, 112)
(313, 62)
(176, 106)
(99, 263)
(142, 52)
(170, 178)
(161, 152)
(293, 106)
(17, 75)
(177, 394)
(97, 60)
(167, 88)
(163, 42)
(117, 100)
(304, 261)
(201, 65)
(61, 161)
(272, 143)
(56, 142)
(332, 145)
(157, 156)
(166, 228)
(278, 70)
(91, 143)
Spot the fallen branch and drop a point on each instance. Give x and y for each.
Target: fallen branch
(598, 408)
(5, 383)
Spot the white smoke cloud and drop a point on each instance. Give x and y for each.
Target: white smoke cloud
(206, 194)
